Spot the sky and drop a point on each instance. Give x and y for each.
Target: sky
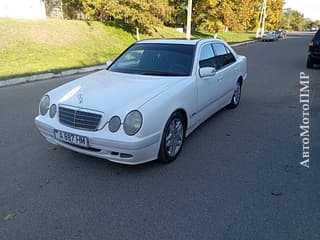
(310, 8)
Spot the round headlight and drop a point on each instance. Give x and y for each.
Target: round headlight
(114, 124)
(53, 110)
(132, 122)
(44, 105)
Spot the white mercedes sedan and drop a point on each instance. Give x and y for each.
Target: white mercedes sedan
(146, 102)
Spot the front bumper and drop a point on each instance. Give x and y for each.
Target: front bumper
(131, 152)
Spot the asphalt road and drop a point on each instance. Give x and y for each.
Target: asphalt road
(219, 188)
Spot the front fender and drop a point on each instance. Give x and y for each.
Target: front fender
(156, 112)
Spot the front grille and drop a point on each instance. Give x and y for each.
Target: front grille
(79, 118)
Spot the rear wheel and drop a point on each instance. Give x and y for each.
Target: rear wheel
(172, 138)
(236, 96)
(309, 62)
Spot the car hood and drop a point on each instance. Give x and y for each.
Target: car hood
(111, 92)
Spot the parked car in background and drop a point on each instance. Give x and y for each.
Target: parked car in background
(277, 34)
(270, 36)
(281, 33)
(314, 51)
(144, 104)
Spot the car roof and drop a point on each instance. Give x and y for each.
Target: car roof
(193, 41)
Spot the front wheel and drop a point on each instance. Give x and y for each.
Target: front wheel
(172, 138)
(236, 96)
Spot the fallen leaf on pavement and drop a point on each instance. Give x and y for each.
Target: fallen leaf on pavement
(22, 210)
(275, 193)
(9, 216)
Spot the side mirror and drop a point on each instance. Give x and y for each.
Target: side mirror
(207, 72)
(108, 63)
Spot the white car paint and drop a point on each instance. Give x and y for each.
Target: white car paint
(156, 97)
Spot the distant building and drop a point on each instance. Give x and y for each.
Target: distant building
(31, 9)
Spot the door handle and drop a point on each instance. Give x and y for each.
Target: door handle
(219, 78)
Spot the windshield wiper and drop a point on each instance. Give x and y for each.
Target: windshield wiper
(162, 74)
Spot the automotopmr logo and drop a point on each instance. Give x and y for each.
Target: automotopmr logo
(305, 118)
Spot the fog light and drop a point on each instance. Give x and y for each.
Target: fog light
(53, 110)
(114, 124)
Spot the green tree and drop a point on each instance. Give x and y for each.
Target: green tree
(131, 13)
(210, 15)
(293, 20)
(72, 9)
(178, 13)
(274, 14)
(207, 17)
(235, 15)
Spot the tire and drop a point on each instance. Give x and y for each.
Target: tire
(175, 127)
(309, 63)
(235, 100)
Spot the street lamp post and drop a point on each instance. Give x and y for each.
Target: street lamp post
(262, 19)
(189, 14)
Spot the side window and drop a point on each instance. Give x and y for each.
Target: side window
(206, 56)
(223, 55)
(219, 49)
(229, 58)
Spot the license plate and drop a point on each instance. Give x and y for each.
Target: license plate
(71, 138)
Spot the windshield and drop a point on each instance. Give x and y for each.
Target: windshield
(156, 59)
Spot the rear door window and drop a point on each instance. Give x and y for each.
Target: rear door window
(224, 56)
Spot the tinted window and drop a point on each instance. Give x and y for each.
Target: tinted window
(317, 36)
(156, 59)
(132, 58)
(229, 57)
(206, 56)
(223, 55)
(219, 49)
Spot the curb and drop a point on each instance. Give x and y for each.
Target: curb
(45, 76)
(243, 43)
